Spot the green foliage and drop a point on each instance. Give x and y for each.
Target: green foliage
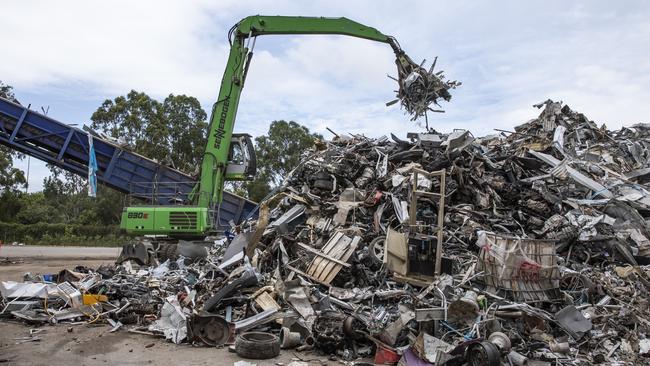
(10, 204)
(63, 183)
(36, 209)
(278, 152)
(61, 234)
(257, 189)
(173, 132)
(11, 179)
(61, 215)
(70, 199)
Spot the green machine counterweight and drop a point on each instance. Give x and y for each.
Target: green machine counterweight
(231, 156)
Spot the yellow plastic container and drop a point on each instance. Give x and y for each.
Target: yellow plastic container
(90, 299)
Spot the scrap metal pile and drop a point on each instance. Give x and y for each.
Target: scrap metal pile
(529, 247)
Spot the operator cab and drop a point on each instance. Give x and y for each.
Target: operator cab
(242, 163)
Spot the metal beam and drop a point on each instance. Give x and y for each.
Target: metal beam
(18, 125)
(65, 145)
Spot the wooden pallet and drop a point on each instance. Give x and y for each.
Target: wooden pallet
(335, 252)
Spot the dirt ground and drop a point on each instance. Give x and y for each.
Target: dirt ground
(15, 261)
(15, 272)
(65, 344)
(94, 345)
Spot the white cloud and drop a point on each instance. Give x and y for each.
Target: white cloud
(509, 55)
(111, 46)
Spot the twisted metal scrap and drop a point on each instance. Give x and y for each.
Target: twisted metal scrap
(419, 87)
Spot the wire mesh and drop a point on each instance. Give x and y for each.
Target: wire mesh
(519, 269)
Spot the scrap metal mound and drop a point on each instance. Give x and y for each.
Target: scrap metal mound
(545, 254)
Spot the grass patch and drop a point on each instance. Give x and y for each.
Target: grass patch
(62, 235)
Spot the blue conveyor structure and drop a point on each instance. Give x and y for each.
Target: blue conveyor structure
(65, 146)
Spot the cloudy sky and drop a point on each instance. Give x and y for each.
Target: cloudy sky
(594, 55)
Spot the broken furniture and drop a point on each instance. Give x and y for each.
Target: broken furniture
(417, 254)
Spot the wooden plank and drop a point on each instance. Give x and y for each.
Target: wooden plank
(428, 174)
(318, 263)
(420, 280)
(345, 254)
(314, 251)
(296, 270)
(262, 223)
(333, 240)
(265, 301)
(428, 194)
(413, 208)
(335, 252)
(337, 267)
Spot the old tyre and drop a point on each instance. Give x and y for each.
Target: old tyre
(377, 248)
(257, 345)
(167, 251)
(577, 286)
(483, 354)
(210, 329)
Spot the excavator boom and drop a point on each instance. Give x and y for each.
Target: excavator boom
(219, 162)
(213, 169)
(261, 25)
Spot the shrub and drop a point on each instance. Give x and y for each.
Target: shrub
(61, 234)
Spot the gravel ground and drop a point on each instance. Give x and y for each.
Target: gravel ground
(65, 344)
(94, 345)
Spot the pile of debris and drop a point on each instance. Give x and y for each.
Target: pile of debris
(528, 247)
